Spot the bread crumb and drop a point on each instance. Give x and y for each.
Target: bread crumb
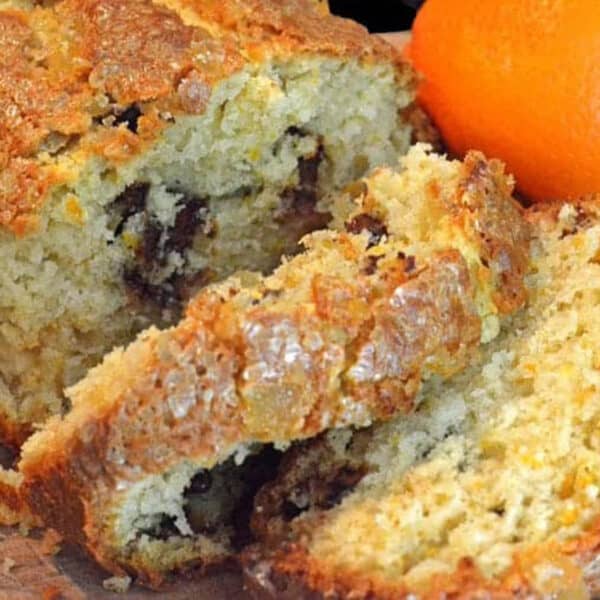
(24, 528)
(50, 544)
(52, 593)
(118, 585)
(7, 565)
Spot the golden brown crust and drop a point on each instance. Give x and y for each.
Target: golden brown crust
(60, 66)
(502, 241)
(12, 509)
(63, 66)
(21, 185)
(13, 433)
(289, 572)
(294, 26)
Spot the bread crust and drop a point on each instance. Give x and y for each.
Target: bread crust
(289, 572)
(65, 66)
(13, 511)
(13, 433)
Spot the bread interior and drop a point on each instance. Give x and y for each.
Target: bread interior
(190, 514)
(500, 463)
(124, 245)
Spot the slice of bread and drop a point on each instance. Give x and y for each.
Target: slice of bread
(158, 455)
(489, 490)
(147, 148)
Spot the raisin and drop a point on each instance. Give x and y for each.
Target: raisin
(366, 222)
(201, 483)
(161, 296)
(371, 265)
(344, 481)
(165, 529)
(158, 242)
(150, 253)
(298, 204)
(294, 130)
(256, 471)
(129, 117)
(8, 457)
(302, 199)
(130, 201)
(410, 264)
(187, 220)
(186, 285)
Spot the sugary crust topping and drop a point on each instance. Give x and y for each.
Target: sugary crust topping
(21, 185)
(61, 67)
(503, 234)
(64, 66)
(300, 368)
(265, 28)
(138, 50)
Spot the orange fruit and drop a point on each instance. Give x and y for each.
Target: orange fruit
(520, 80)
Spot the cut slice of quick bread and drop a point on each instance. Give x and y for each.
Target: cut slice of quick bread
(150, 147)
(489, 490)
(166, 439)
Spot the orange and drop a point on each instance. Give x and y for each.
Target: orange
(520, 80)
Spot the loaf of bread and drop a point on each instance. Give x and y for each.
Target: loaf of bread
(150, 147)
(489, 490)
(167, 440)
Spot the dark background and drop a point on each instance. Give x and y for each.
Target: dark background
(378, 15)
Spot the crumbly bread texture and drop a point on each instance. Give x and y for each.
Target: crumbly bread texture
(150, 467)
(13, 511)
(150, 147)
(489, 490)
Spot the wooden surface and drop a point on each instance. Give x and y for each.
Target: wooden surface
(29, 570)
